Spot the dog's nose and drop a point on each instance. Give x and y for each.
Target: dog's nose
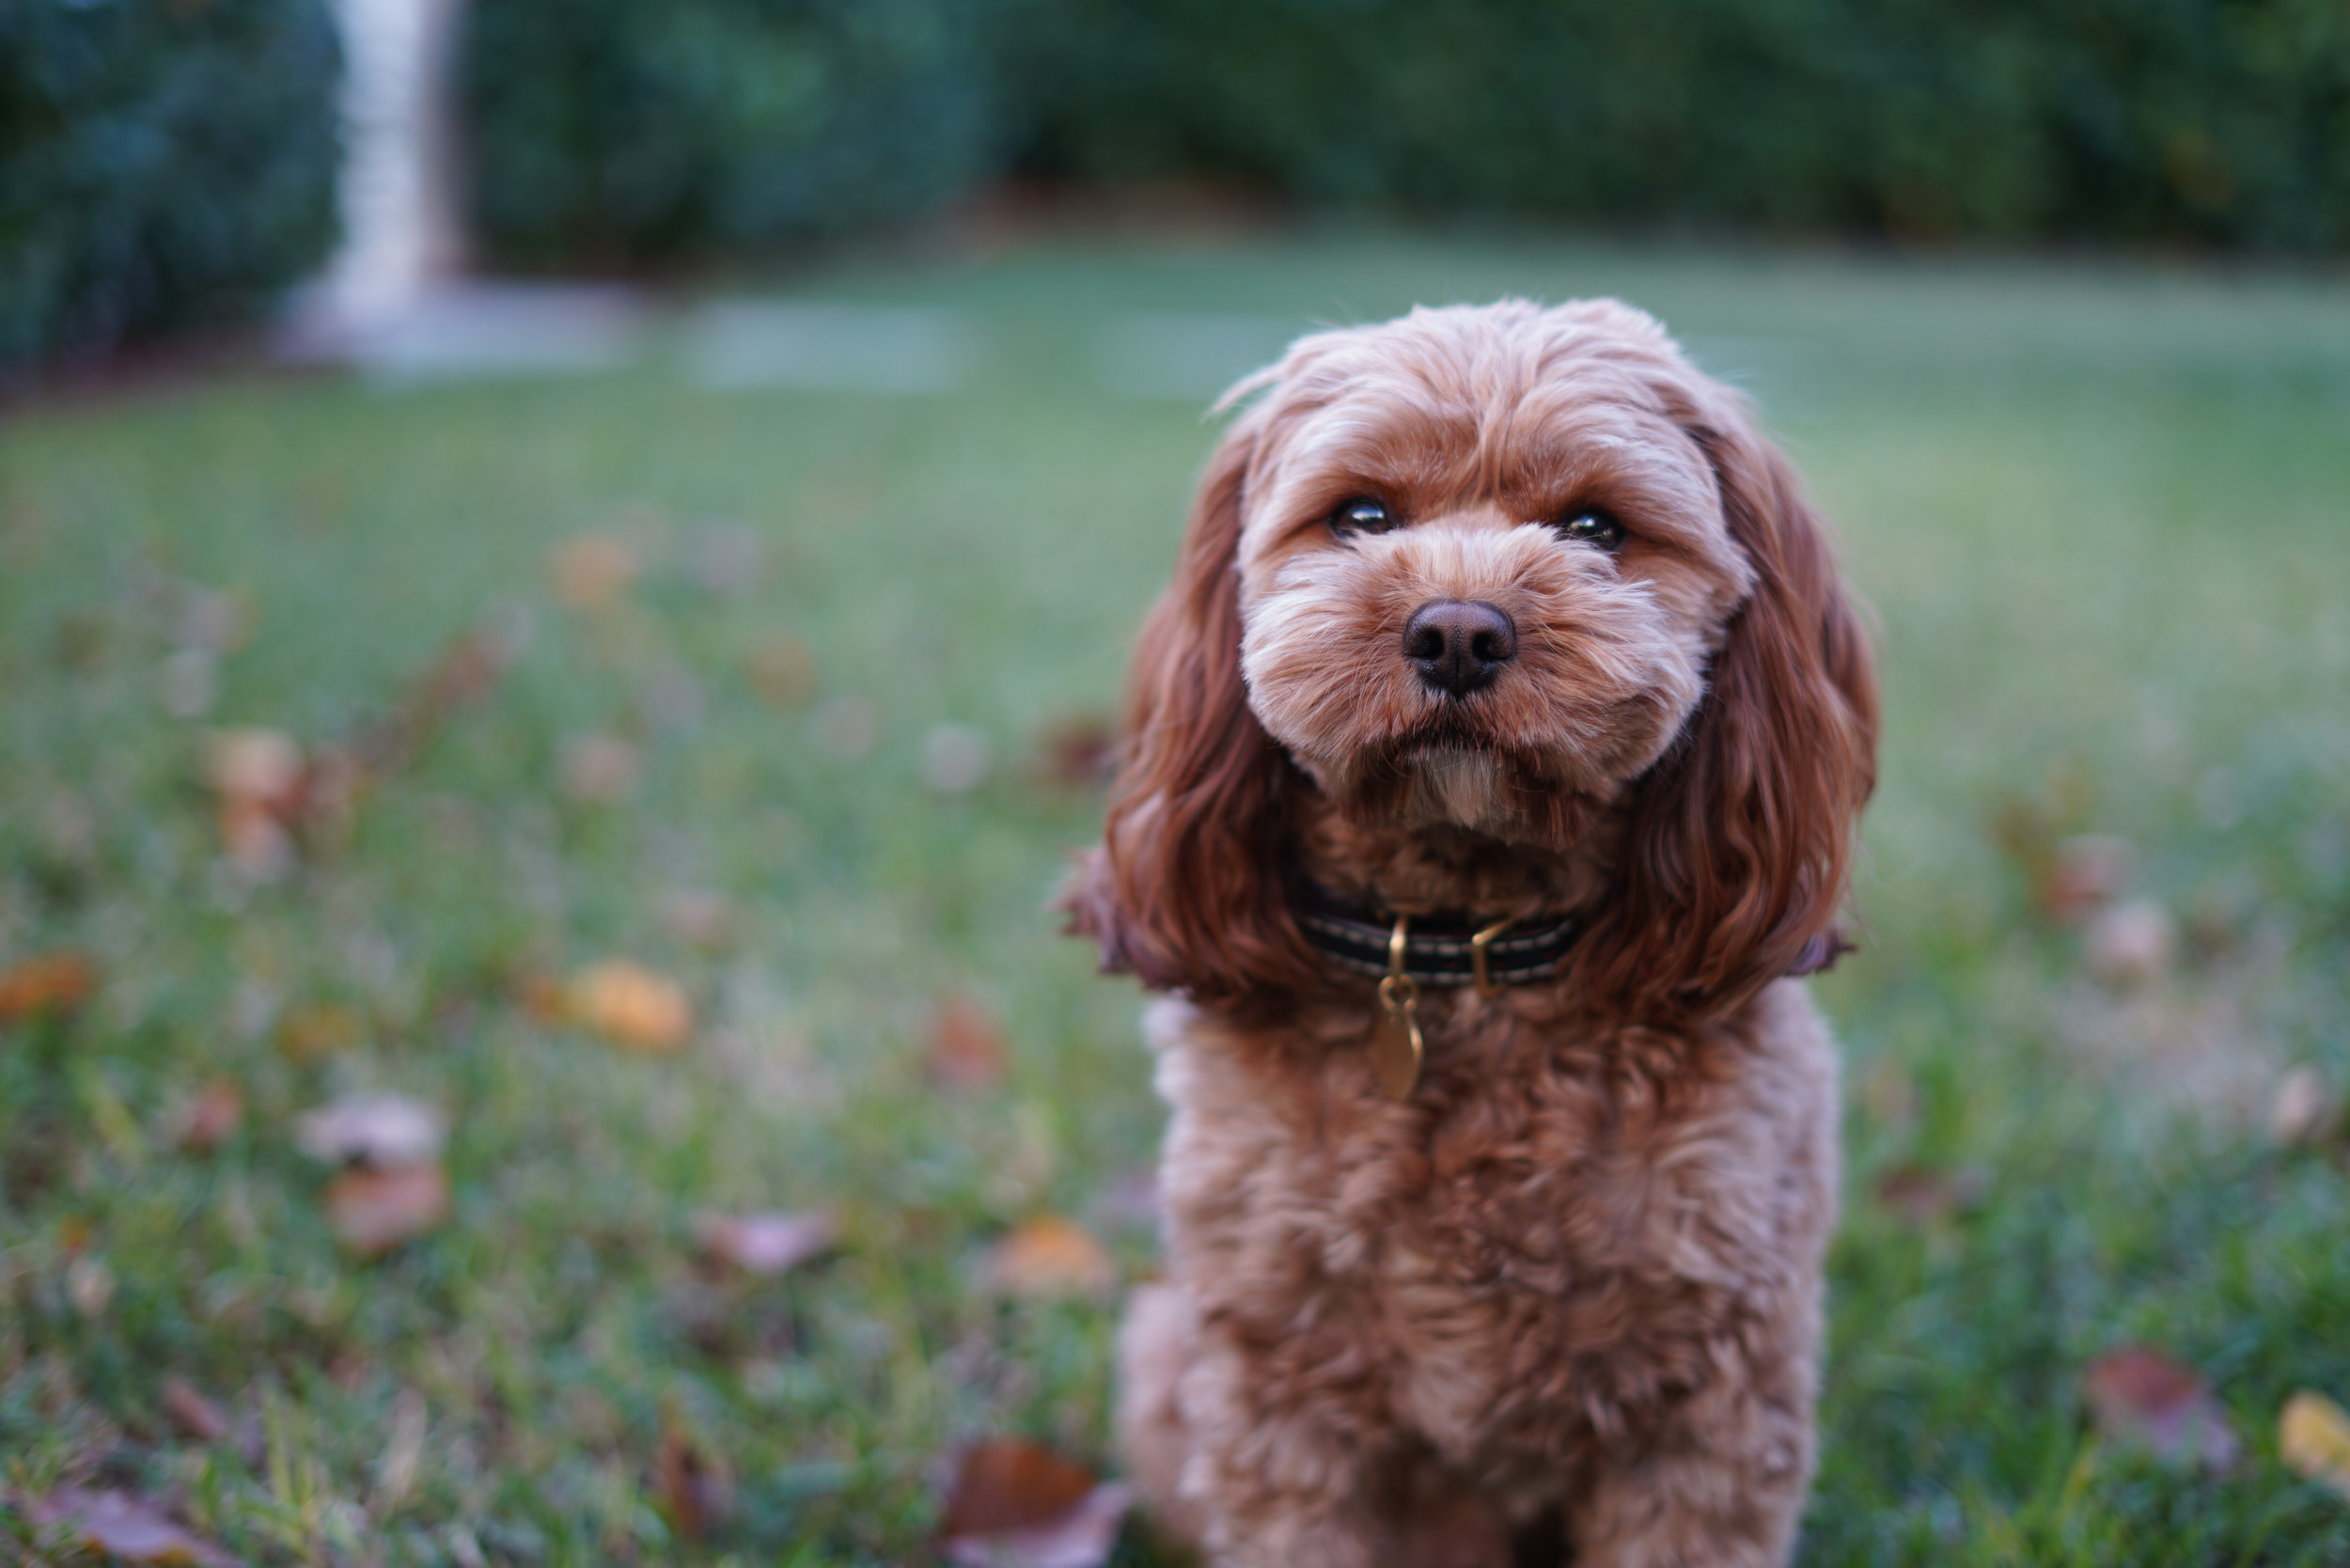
(1459, 645)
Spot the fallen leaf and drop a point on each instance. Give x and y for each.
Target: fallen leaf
(89, 1284)
(129, 1527)
(766, 1244)
(2132, 944)
(384, 1132)
(2081, 874)
(1079, 752)
(464, 671)
(192, 1413)
(781, 669)
(1016, 1504)
(2313, 1437)
(699, 918)
(690, 1489)
(317, 1030)
(259, 774)
(1050, 1257)
(593, 571)
(374, 1211)
(205, 1121)
(967, 1049)
(1922, 1194)
(2306, 1112)
(956, 759)
(2140, 1397)
(600, 769)
(632, 1007)
(46, 984)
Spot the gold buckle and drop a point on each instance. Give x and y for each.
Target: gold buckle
(1478, 944)
(1396, 1045)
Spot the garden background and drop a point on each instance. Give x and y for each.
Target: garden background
(529, 1026)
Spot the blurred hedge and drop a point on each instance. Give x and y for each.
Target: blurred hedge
(622, 131)
(606, 128)
(159, 163)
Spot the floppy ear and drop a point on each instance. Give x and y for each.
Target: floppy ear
(1186, 890)
(1740, 841)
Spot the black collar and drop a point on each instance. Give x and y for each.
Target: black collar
(1441, 950)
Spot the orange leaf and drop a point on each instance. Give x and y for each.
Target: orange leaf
(51, 982)
(966, 1047)
(632, 1007)
(592, 572)
(2313, 1437)
(1079, 752)
(129, 1527)
(374, 1211)
(781, 669)
(318, 1030)
(2140, 1397)
(192, 1413)
(1049, 1258)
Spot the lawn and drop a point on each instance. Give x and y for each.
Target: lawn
(801, 764)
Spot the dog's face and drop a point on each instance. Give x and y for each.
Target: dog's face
(1495, 570)
(1483, 568)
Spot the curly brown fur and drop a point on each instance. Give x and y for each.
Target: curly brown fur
(1566, 1297)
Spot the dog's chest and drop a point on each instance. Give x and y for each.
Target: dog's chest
(1527, 1237)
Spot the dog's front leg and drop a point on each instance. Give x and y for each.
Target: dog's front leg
(1286, 1467)
(1722, 1482)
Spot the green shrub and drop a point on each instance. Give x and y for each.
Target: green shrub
(161, 165)
(618, 132)
(2218, 120)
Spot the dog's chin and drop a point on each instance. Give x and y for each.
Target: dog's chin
(1490, 790)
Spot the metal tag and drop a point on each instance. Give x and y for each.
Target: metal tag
(1395, 1052)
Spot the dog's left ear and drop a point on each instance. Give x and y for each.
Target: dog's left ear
(1186, 888)
(1741, 837)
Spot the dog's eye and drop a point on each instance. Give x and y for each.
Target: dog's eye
(1361, 515)
(1587, 526)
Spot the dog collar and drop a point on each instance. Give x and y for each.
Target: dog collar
(1438, 950)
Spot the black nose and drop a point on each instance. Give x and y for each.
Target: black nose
(1459, 645)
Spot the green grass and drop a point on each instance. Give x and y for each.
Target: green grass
(2100, 512)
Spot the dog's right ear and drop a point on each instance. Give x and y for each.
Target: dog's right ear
(1186, 890)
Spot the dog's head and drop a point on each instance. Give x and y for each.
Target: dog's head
(1500, 571)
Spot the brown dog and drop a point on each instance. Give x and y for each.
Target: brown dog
(1504, 659)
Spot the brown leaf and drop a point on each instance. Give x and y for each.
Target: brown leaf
(781, 669)
(967, 1049)
(766, 1244)
(601, 770)
(1078, 752)
(2080, 875)
(2140, 1397)
(1922, 1195)
(1008, 1483)
(49, 983)
(317, 1030)
(207, 1121)
(374, 1211)
(1016, 1504)
(1051, 1258)
(467, 669)
(383, 1131)
(592, 572)
(632, 1007)
(690, 1489)
(2313, 1437)
(192, 1413)
(129, 1527)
